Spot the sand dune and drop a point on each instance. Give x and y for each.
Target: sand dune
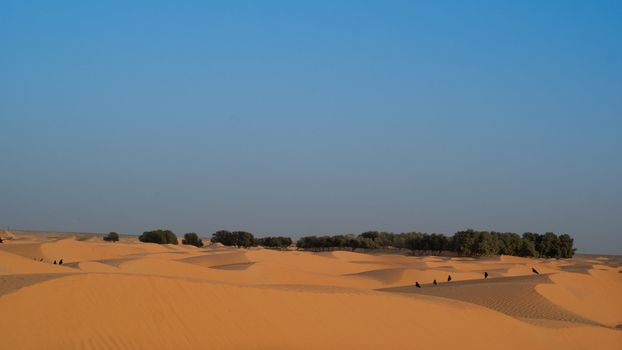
(596, 295)
(15, 264)
(130, 295)
(514, 296)
(234, 318)
(221, 258)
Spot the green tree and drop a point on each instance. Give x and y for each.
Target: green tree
(224, 237)
(527, 246)
(464, 242)
(550, 245)
(485, 244)
(244, 239)
(274, 242)
(192, 238)
(509, 243)
(373, 235)
(566, 249)
(159, 236)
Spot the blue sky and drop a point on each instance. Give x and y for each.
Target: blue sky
(310, 117)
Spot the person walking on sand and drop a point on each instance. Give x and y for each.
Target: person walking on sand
(417, 285)
(434, 283)
(448, 278)
(485, 275)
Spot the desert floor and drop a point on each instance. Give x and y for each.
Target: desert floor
(132, 295)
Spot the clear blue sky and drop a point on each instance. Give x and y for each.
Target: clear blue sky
(310, 117)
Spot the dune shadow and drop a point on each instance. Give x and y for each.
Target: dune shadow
(579, 268)
(514, 296)
(13, 283)
(238, 266)
(387, 276)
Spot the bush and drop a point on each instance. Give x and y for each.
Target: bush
(112, 237)
(192, 239)
(158, 236)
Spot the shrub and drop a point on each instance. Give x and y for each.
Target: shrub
(158, 236)
(112, 237)
(192, 239)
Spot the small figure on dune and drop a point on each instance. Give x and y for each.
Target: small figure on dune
(417, 285)
(434, 282)
(60, 262)
(485, 275)
(41, 259)
(535, 271)
(54, 262)
(448, 278)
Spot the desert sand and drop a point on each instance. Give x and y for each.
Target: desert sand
(132, 295)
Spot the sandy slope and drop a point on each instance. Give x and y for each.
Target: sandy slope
(144, 296)
(596, 295)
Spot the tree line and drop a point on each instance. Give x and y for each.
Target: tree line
(464, 243)
(169, 237)
(246, 239)
(240, 239)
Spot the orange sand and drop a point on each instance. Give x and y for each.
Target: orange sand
(130, 295)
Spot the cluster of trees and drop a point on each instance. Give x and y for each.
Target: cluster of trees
(112, 237)
(192, 238)
(549, 245)
(274, 242)
(158, 236)
(246, 239)
(167, 237)
(467, 243)
(339, 241)
(415, 241)
(236, 238)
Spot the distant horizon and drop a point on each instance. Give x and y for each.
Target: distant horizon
(293, 236)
